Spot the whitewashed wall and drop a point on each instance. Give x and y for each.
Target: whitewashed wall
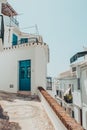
(8, 33)
(77, 98)
(84, 84)
(40, 66)
(80, 96)
(58, 125)
(84, 110)
(83, 76)
(9, 67)
(77, 114)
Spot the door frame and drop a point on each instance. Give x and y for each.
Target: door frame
(19, 74)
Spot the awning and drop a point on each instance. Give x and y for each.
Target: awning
(67, 91)
(77, 55)
(8, 10)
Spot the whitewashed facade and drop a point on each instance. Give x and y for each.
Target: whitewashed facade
(77, 100)
(77, 77)
(83, 82)
(80, 95)
(67, 83)
(23, 57)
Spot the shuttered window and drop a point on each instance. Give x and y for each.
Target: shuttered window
(14, 39)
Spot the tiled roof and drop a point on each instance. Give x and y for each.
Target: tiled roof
(68, 122)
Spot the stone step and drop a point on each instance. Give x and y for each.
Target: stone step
(24, 93)
(28, 94)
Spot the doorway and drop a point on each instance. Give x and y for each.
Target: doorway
(25, 75)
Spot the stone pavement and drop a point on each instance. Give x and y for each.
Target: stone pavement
(29, 114)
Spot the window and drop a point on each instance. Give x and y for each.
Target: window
(24, 40)
(14, 39)
(78, 80)
(49, 83)
(1, 28)
(60, 94)
(69, 85)
(73, 69)
(81, 116)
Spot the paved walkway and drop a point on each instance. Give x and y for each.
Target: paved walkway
(29, 114)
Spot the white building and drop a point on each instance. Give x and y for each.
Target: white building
(23, 57)
(80, 95)
(76, 80)
(83, 76)
(67, 84)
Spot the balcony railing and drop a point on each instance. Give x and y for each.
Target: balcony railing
(11, 21)
(14, 21)
(25, 40)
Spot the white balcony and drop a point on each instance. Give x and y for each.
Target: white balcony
(11, 21)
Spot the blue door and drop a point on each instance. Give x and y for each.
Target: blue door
(25, 75)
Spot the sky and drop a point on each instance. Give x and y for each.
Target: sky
(62, 24)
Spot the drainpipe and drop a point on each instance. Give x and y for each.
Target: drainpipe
(79, 83)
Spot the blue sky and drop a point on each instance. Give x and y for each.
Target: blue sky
(62, 23)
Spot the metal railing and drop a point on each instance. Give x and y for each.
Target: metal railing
(14, 21)
(25, 40)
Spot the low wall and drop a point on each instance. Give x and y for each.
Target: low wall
(60, 119)
(25, 45)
